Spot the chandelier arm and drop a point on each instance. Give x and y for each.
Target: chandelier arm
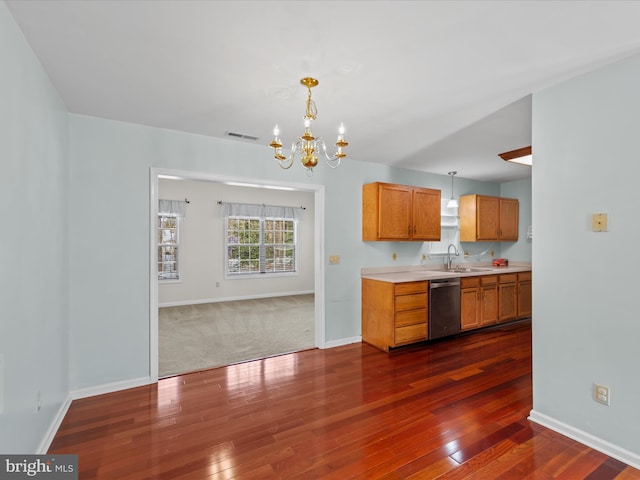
(333, 162)
(286, 163)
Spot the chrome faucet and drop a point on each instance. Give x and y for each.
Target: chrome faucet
(449, 259)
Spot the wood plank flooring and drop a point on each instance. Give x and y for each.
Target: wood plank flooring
(455, 409)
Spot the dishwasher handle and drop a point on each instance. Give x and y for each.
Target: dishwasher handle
(440, 284)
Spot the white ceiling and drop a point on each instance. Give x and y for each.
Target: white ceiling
(426, 85)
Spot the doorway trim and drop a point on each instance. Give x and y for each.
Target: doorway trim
(319, 252)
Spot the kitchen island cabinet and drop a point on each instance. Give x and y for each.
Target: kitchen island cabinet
(392, 212)
(394, 314)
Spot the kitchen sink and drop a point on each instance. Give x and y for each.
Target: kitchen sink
(461, 269)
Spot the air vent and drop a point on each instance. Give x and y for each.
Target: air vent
(241, 135)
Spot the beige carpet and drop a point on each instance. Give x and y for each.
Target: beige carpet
(196, 337)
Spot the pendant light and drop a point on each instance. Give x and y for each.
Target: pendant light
(453, 203)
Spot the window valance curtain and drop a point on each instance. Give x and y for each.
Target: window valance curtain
(172, 207)
(263, 211)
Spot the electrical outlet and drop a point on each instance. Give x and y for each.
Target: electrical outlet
(334, 259)
(424, 256)
(602, 394)
(394, 256)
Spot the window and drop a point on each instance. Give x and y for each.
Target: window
(258, 245)
(168, 247)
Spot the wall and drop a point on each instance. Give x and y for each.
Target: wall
(202, 244)
(34, 281)
(520, 250)
(110, 299)
(586, 326)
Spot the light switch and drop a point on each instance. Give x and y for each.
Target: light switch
(334, 259)
(599, 222)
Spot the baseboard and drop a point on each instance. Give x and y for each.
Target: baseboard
(109, 388)
(610, 449)
(232, 299)
(342, 341)
(53, 428)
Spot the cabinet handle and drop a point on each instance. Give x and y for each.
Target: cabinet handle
(409, 230)
(415, 229)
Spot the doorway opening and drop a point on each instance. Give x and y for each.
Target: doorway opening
(274, 305)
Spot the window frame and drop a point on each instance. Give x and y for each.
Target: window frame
(228, 275)
(177, 246)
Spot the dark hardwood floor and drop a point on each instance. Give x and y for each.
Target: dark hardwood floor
(451, 410)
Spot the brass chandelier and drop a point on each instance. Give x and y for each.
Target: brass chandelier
(306, 144)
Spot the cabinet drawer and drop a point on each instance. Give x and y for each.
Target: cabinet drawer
(411, 302)
(524, 276)
(488, 279)
(467, 282)
(410, 287)
(508, 278)
(411, 333)
(411, 317)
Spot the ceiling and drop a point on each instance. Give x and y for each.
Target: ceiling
(425, 85)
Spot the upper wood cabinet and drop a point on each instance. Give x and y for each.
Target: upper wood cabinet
(398, 213)
(485, 218)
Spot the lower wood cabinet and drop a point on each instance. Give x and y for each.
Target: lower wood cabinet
(524, 295)
(508, 294)
(490, 299)
(394, 314)
(470, 303)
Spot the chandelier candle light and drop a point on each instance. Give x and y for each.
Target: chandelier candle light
(307, 145)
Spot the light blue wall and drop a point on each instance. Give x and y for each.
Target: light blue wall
(520, 250)
(34, 281)
(110, 180)
(586, 327)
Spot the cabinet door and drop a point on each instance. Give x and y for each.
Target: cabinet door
(489, 300)
(426, 214)
(509, 219)
(524, 298)
(507, 293)
(395, 212)
(488, 211)
(469, 308)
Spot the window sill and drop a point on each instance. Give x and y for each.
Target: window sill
(251, 276)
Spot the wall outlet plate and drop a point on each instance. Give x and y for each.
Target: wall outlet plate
(602, 394)
(599, 222)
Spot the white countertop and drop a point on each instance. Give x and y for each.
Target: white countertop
(413, 273)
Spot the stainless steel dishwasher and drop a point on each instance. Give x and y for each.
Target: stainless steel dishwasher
(444, 307)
